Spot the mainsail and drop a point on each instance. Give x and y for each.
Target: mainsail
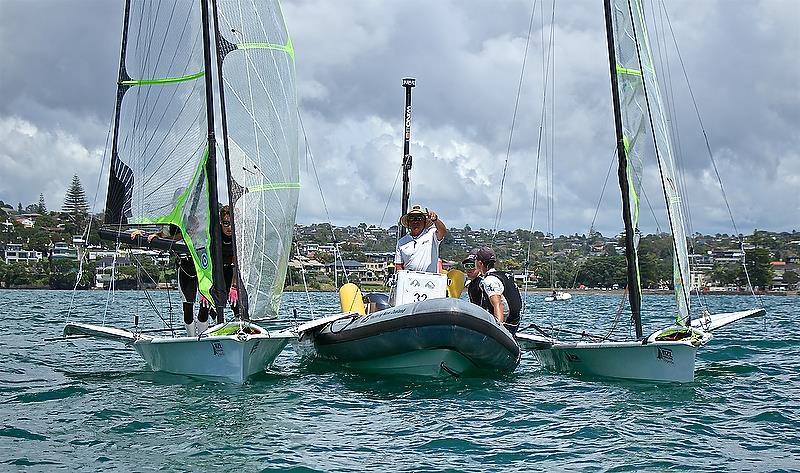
(159, 146)
(641, 109)
(260, 127)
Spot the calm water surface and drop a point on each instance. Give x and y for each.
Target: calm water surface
(94, 406)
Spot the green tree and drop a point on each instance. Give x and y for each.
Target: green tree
(75, 203)
(42, 208)
(791, 278)
(759, 267)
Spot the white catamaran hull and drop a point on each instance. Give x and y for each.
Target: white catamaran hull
(657, 361)
(661, 361)
(228, 358)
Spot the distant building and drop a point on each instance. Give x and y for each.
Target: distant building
(14, 253)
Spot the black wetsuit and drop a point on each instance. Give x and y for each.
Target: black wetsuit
(228, 269)
(187, 280)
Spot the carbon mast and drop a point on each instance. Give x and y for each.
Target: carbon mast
(634, 292)
(218, 285)
(408, 84)
(223, 48)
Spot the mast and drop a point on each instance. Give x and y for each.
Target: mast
(218, 287)
(634, 292)
(115, 198)
(408, 83)
(223, 48)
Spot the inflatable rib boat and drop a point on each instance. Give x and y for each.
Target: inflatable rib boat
(436, 337)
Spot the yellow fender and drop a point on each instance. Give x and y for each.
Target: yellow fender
(456, 280)
(351, 300)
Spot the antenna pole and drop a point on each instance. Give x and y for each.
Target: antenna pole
(408, 84)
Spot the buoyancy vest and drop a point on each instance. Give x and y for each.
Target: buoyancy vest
(513, 298)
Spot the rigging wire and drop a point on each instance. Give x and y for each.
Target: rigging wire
(336, 252)
(711, 157)
(499, 211)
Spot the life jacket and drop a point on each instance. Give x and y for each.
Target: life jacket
(476, 294)
(513, 298)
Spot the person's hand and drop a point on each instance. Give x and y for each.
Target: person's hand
(233, 296)
(432, 216)
(204, 302)
(136, 233)
(151, 237)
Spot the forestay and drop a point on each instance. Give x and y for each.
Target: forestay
(261, 128)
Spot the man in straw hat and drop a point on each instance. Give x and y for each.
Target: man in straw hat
(418, 250)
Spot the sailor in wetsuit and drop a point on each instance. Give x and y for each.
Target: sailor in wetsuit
(187, 280)
(228, 262)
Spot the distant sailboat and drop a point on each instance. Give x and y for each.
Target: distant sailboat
(669, 354)
(164, 169)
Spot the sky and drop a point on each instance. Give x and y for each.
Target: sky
(60, 61)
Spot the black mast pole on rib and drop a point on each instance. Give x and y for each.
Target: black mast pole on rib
(408, 84)
(634, 292)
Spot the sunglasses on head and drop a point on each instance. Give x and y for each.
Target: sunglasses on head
(416, 218)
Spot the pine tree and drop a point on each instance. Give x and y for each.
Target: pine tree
(42, 209)
(75, 204)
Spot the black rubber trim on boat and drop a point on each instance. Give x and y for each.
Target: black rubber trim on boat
(422, 319)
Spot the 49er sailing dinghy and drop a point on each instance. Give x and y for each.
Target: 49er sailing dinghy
(425, 332)
(667, 355)
(164, 168)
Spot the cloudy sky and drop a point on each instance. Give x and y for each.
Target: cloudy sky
(59, 63)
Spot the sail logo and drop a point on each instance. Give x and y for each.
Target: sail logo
(204, 260)
(664, 354)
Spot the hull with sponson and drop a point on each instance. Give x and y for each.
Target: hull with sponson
(435, 337)
(656, 361)
(233, 357)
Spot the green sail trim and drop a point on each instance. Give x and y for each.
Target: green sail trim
(274, 186)
(628, 72)
(288, 48)
(204, 276)
(166, 80)
(634, 207)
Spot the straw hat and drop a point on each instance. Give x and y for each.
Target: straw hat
(415, 210)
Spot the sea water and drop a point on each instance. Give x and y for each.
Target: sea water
(85, 405)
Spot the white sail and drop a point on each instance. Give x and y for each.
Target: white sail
(258, 76)
(160, 145)
(636, 72)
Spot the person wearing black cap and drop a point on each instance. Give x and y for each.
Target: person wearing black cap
(418, 250)
(474, 285)
(505, 302)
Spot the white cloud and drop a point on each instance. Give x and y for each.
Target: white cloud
(56, 99)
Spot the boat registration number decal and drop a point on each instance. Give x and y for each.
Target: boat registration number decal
(664, 354)
(218, 350)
